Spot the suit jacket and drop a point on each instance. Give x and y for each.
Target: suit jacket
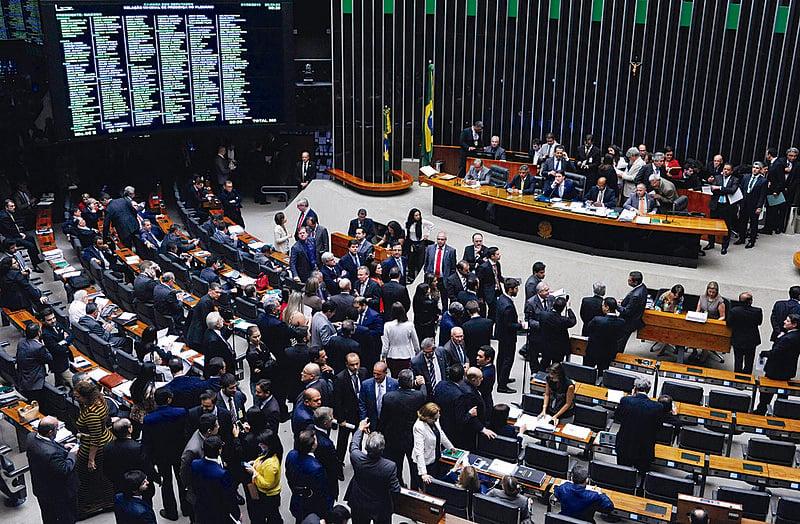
(498, 153)
(196, 328)
(726, 191)
(473, 260)
(374, 323)
(309, 484)
(165, 300)
(345, 398)
(123, 455)
(394, 292)
(448, 260)
(507, 321)
(782, 358)
(374, 484)
(757, 197)
(351, 266)
(132, 510)
(776, 177)
(467, 139)
(302, 418)
(468, 426)
(632, 307)
(310, 174)
(121, 214)
(391, 262)
(568, 192)
(530, 286)
(452, 285)
(487, 281)
(420, 368)
(633, 202)
(553, 333)
(551, 165)
(32, 361)
(222, 169)
(368, 225)
(604, 331)
(223, 418)
(487, 386)
(299, 262)
(215, 492)
(53, 475)
(367, 407)
(56, 340)
(482, 175)
(398, 416)
(186, 390)
(592, 157)
(239, 400)
(271, 410)
(344, 304)
(451, 353)
(322, 240)
(102, 256)
(325, 452)
(609, 196)
(446, 396)
(640, 419)
(477, 333)
(337, 349)
(590, 307)
(780, 310)
(330, 275)
(215, 346)
(372, 292)
(533, 306)
(9, 226)
(16, 291)
(744, 322)
(164, 434)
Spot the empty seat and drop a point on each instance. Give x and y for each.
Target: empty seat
(8, 367)
(145, 311)
(665, 434)
(250, 266)
(198, 285)
(666, 488)
(503, 448)
(54, 401)
(456, 498)
(551, 461)
(127, 365)
(613, 476)
(81, 339)
(729, 400)
(578, 373)
(785, 408)
(532, 404)
(683, 392)
(770, 451)
(755, 504)
(593, 417)
(492, 510)
(246, 310)
(125, 296)
(613, 379)
(101, 352)
(701, 439)
(787, 511)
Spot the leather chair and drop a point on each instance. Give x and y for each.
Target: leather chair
(613, 476)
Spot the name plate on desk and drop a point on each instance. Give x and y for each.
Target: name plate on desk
(690, 456)
(654, 508)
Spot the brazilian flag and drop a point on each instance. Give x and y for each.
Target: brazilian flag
(387, 130)
(426, 151)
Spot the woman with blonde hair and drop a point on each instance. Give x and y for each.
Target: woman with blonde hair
(295, 304)
(429, 441)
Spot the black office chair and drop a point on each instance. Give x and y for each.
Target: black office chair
(503, 448)
(613, 476)
(127, 365)
(551, 461)
(593, 417)
(555, 518)
(250, 266)
(701, 439)
(246, 310)
(199, 286)
(126, 297)
(680, 204)
(729, 400)
(755, 504)
(232, 256)
(8, 368)
(457, 499)
(666, 488)
(771, 451)
(579, 181)
(182, 275)
(491, 510)
(613, 379)
(81, 339)
(785, 408)
(787, 511)
(163, 321)
(665, 434)
(578, 373)
(145, 311)
(681, 392)
(54, 401)
(102, 353)
(532, 404)
(110, 285)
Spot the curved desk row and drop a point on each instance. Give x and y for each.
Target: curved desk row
(401, 182)
(671, 240)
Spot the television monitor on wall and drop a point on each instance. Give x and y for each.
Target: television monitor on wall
(20, 20)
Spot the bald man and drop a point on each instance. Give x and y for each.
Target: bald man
(52, 467)
(471, 411)
(370, 398)
(303, 414)
(454, 350)
(311, 377)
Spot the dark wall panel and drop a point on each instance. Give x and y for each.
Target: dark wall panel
(702, 89)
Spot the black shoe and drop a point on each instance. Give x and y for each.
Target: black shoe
(709, 246)
(739, 242)
(512, 380)
(765, 231)
(166, 515)
(506, 389)
(701, 253)
(724, 251)
(523, 353)
(750, 244)
(37, 269)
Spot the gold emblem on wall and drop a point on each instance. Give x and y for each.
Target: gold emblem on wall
(545, 229)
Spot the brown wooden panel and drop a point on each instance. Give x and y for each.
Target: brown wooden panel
(339, 247)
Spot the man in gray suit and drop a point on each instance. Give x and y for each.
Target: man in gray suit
(32, 357)
(102, 329)
(541, 301)
(207, 426)
(52, 467)
(322, 241)
(478, 174)
(321, 328)
(374, 484)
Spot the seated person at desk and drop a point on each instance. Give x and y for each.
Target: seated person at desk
(577, 501)
(394, 233)
(478, 174)
(222, 235)
(497, 152)
(640, 201)
(173, 236)
(663, 191)
(210, 273)
(671, 301)
(498, 421)
(559, 394)
(361, 221)
(601, 195)
(468, 479)
(523, 182)
(149, 236)
(511, 492)
(560, 187)
(103, 329)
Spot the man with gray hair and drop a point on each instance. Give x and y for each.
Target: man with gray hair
(629, 178)
(305, 211)
(663, 190)
(639, 420)
(374, 485)
(578, 502)
(397, 423)
(121, 213)
(494, 149)
(592, 306)
(326, 451)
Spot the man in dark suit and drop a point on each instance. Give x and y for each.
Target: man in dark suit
(783, 308)
(13, 230)
(265, 401)
(470, 140)
(305, 211)
(130, 505)
(164, 437)
(754, 191)
(306, 478)
(150, 237)
(32, 361)
(477, 330)
(455, 352)
(471, 410)
(223, 168)
(125, 454)
(208, 405)
(490, 276)
(397, 260)
(370, 397)
(53, 475)
(776, 187)
(305, 171)
(231, 203)
(332, 273)
(214, 486)
(375, 483)
(457, 281)
(475, 254)
(215, 341)
(303, 413)
(446, 395)
(485, 361)
(347, 386)
(632, 308)
(588, 159)
(103, 330)
(744, 321)
(368, 288)
(99, 253)
(494, 149)
(397, 421)
(57, 340)
(601, 195)
(302, 257)
(723, 188)
(781, 359)
(394, 291)
(592, 306)
(165, 300)
(538, 273)
(440, 260)
(145, 282)
(325, 451)
(558, 163)
(639, 421)
(186, 389)
(195, 195)
(319, 236)
(553, 334)
(196, 328)
(604, 332)
(352, 260)
(363, 222)
(429, 367)
(369, 330)
(450, 319)
(342, 344)
(506, 326)
(656, 167)
(470, 294)
(230, 396)
(121, 213)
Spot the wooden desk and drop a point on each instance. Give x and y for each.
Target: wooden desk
(339, 243)
(674, 329)
(596, 395)
(634, 363)
(420, 507)
(718, 377)
(717, 418)
(247, 238)
(671, 457)
(788, 387)
(451, 157)
(783, 477)
(559, 437)
(738, 469)
(44, 221)
(675, 240)
(640, 509)
(401, 181)
(526, 486)
(770, 426)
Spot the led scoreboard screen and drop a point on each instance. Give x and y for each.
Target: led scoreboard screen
(139, 66)
(19, 20)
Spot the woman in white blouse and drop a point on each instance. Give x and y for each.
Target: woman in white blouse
(281, 236)
(400, 342)
(429, 441)
(417, 232)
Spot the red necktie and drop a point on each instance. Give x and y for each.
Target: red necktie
(437, 268)
(300, 222)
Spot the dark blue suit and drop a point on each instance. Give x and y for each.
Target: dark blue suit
(309, 484)
(581, 503)
(302, 418)
(121, 214)
(326, 455)
(446, 395)
(609, 196)
(640, 419)
(368, 225)
(367, 407)
(604, 333)
(505, 331)
(419, 365)
(568, 194)
(132, 510)
(329, 276)
(391, 262)
(55, 481)
(215, 493)
(632, 309)
(300, 263)
(164, 437)
(350, 265)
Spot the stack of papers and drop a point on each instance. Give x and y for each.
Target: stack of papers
(66, 269)
(124, 389)
(697, 316)
(235, 230)
(641, 220)
(256, 245)
(241, 323)
(501, 467)
(244, 280)
(70, 274)
(615, 395)
(97, 374)
(167, 340)
(133, 259)
(126, 317)
(514, 412)
(188, 354)
(627, 215)
(62, 435)
(202, 253)
(81, 363)
(578, 432)
(53, 254)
